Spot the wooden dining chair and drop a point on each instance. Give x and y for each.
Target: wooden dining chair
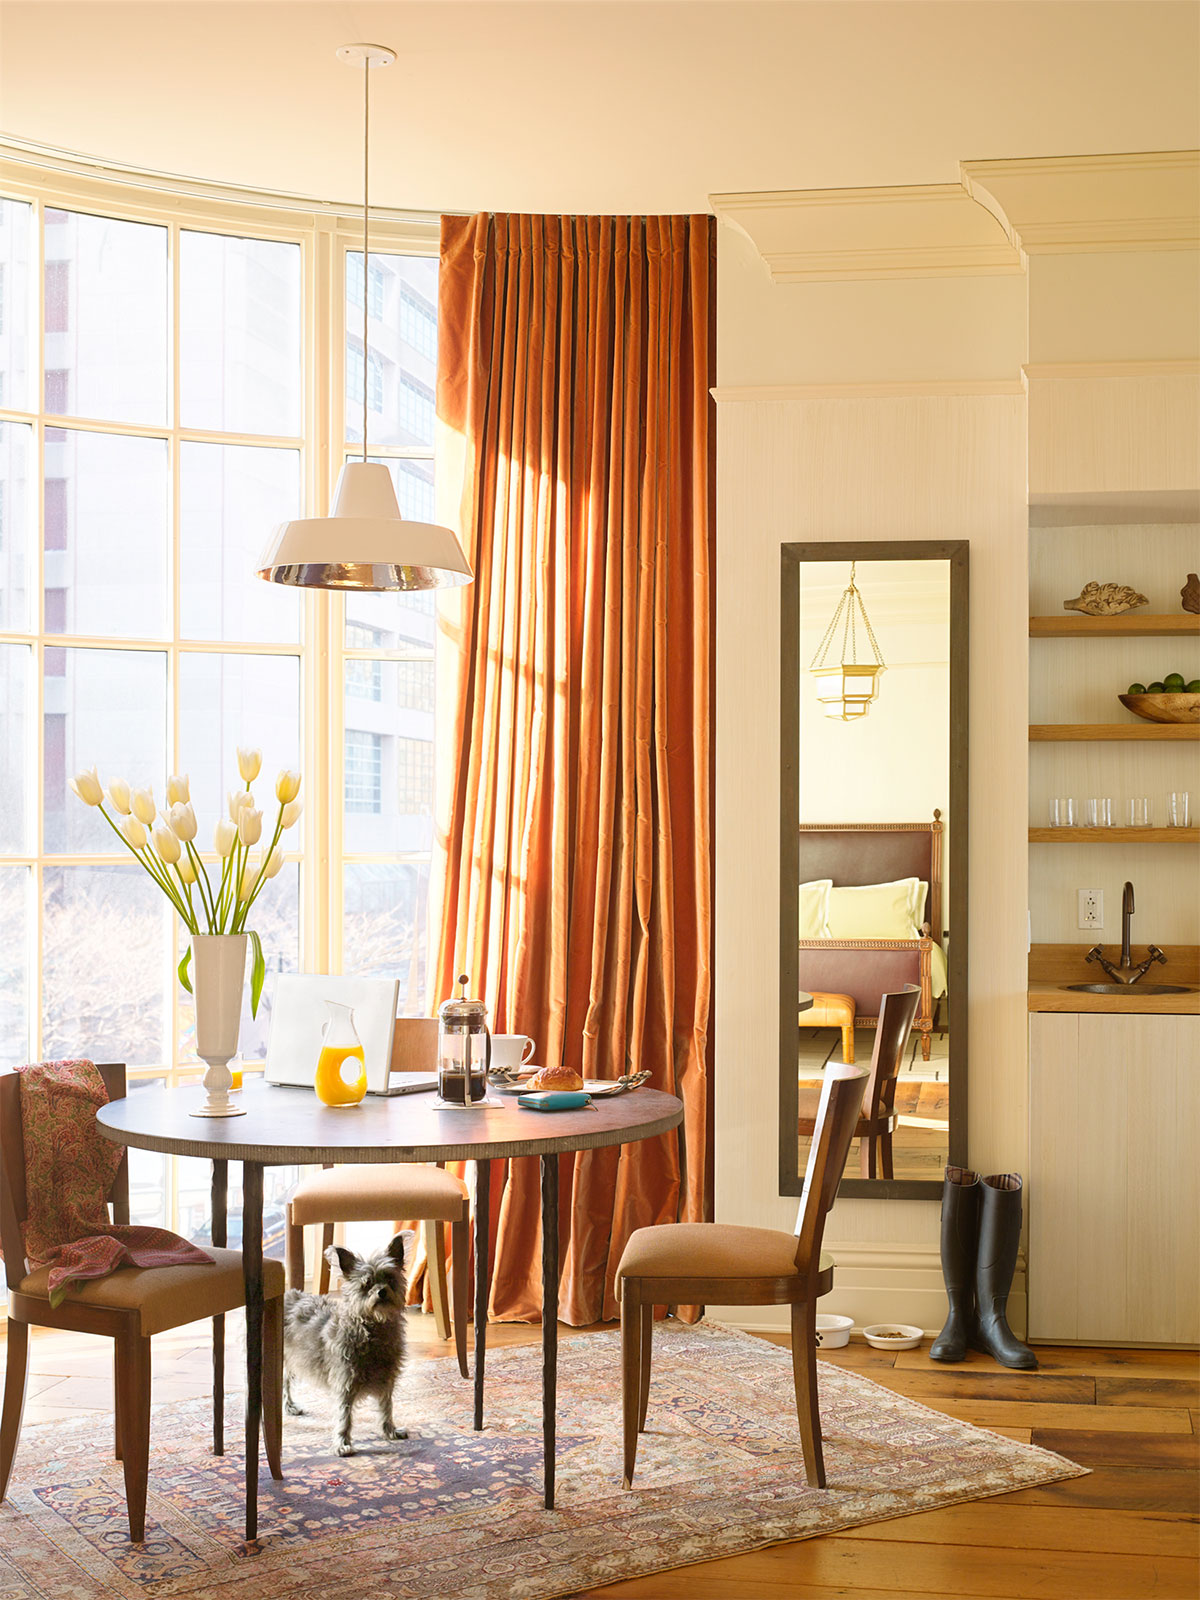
(696, 1263)
(128, 1306)
(400, 1193)
(878, 1120)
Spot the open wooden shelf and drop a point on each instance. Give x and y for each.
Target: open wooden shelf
(1092, 731)
(1114, 835)
(1131, 625)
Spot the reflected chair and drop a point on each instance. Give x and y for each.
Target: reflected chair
(685, 1263)
(128, 1306)
(878, 1121)
(427, 1194)
(832, 1011)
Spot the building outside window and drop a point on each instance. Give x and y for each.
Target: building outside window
(414, 777)
(364, 771)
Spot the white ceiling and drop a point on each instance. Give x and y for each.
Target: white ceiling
(597, 105)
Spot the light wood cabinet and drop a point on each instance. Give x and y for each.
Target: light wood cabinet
(1114, 1193)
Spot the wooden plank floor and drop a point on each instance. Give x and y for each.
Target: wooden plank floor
(1129, 1531)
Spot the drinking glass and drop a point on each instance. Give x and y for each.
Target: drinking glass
(1099, 813)
(1177, 808)
(1062, 812)
(1139, 812)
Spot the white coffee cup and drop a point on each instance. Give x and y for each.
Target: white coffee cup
(511, 1050)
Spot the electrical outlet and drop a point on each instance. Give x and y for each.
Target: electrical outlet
(1091, 909)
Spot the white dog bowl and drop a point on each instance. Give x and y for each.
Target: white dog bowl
(833, 1332)
(904, 1337)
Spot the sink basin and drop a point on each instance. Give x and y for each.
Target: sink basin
(1128, 988)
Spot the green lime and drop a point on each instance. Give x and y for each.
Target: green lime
(1173, 682)
(1156, 688)
(1194, 686)
(1136, 688)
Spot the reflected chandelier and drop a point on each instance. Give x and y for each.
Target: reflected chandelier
(364, 542)
(847, 686)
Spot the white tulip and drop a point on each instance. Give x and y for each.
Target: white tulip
(178, 788)
(249, 877)
(185, 869)
(182, 820)
(167, 845)
(238, 801)
(118, 793)
(88, 787)
(291, 813)
(249, 763)
(133, 833)
(274, 862)
(144, 808)
(249, 825)
(287, 785)
(224, 837)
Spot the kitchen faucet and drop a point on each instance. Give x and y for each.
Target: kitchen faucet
(1126, 973)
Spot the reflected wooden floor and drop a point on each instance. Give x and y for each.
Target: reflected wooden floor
(1127, 1532)
(920, 1148)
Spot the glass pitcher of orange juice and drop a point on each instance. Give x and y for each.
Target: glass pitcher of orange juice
(340, 1047)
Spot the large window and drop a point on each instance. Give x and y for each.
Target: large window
(167, 380)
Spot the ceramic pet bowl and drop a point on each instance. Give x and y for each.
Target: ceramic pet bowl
(1163, 707)
(893, 1336)
(833, 1332)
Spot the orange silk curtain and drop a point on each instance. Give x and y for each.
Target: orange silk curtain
(572, 864)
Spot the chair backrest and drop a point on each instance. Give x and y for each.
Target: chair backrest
(414, 1044)
(841, 1101)
(896, 1013)
(14, 1195)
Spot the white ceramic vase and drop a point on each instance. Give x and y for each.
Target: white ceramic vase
(218, 977)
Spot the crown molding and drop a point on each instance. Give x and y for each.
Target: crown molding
(953, 388)
(837, 235)
(1066, 205)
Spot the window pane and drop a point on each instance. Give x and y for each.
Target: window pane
(402, 343)
(194, 1189)
(16, 509)
(384, 932)
(16, 887)
(106, 944)
(403, 623)
(105, 708)
(276, 919)
(16, 677)
(149, 1173)
(106, 521)
(231, 700)
(240, 335)
(106, 318)
(231, 496)
(16, 237)
(387, 776)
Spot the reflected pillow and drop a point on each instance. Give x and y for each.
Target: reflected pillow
(920, 895)
(873, 911)
(814, 902)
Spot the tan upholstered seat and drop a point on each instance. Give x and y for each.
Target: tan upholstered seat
(367, 1193)
(165, 1297)
(710, 1250)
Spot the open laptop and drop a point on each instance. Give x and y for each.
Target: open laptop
(298, 1014)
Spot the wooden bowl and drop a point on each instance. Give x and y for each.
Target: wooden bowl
(1163, 707)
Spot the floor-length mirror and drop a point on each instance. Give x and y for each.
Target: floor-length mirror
(873, 891)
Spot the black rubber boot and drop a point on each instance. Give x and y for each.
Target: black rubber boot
(999, 1235)
(960, 1233)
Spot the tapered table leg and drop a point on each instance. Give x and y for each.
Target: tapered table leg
(483, 1183)
(252, 1257)
(220, 1198)
(549, 1321)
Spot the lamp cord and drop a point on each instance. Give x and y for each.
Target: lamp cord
(366, 226)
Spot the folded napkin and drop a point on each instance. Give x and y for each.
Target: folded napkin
(69, 1170)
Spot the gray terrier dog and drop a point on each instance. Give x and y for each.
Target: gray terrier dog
(351, 1344)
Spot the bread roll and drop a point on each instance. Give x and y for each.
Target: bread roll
(555, 1078)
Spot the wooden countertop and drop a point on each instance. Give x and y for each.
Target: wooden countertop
(1053, 966)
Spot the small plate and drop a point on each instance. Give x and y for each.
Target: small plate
(598, 1088)
(909, 1339)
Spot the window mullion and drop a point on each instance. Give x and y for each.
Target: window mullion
(37, 976)
(171, 1010)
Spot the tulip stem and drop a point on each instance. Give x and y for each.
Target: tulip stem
(202, 882)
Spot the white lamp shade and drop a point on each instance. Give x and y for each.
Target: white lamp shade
(364, 543)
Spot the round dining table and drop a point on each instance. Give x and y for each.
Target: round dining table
(286, 1126)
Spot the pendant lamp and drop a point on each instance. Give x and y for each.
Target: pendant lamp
(364, 543)
(845, 685)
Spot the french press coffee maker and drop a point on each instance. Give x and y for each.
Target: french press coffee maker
(464, 1049)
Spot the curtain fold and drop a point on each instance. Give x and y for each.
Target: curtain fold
(572, 859)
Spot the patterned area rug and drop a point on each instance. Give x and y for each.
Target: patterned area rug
(449, 1512)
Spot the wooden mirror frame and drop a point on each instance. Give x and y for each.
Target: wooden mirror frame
(792, 558)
